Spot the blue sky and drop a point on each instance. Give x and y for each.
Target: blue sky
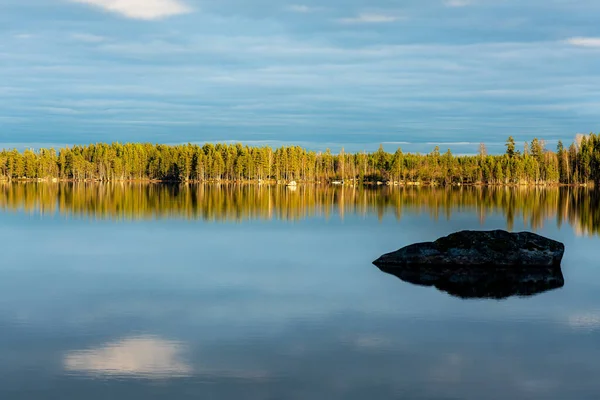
(357, 73)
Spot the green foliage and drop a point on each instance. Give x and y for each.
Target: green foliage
(510, 147)
(579, 164)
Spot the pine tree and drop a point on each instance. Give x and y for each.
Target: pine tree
(510, 147)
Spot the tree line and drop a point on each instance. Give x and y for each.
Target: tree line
(578, 163)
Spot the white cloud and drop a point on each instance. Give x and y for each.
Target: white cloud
(141, 9)
(370, 18)
(584, 41)
(143, 357)
(301, 8)
(457, 3)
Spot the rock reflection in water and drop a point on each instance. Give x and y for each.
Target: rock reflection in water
(481, 283)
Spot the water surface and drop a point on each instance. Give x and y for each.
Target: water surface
(243, 292)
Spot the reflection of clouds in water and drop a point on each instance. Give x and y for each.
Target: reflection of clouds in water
(449, 369)
(369, 342)
(537, 386)
(144, 357)
(585, 321)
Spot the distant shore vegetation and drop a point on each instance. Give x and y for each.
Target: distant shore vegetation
(534, 163)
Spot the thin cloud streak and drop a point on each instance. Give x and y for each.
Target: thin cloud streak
(87, 38)
(584, 41)
(370, 18)
(458, 3)
(301, 8)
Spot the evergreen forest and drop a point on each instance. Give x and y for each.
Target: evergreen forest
(532, 163)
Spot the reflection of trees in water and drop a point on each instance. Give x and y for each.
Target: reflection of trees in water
(576, 206)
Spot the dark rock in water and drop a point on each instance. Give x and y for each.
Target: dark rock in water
(477, 282)
(479, 248)
(481, 264)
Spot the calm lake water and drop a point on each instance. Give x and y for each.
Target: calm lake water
(245, 292)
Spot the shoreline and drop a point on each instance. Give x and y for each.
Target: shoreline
(297, 183)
